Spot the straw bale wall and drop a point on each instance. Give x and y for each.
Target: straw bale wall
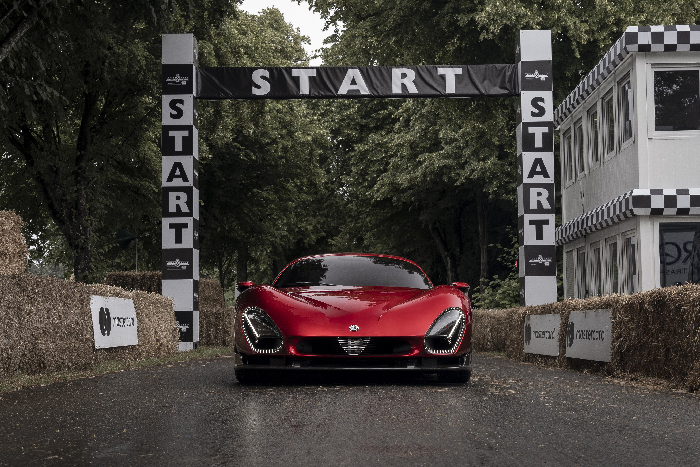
(215, 318)
(13, 251)
(654, 333)
(46, 325)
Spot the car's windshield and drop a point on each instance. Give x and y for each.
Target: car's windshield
(355, 271)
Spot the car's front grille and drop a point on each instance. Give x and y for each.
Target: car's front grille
(353, 346)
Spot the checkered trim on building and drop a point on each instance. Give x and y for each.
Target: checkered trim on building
(639, 202)
(635, 39)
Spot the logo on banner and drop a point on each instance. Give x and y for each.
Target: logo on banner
(541, 260)
(182, 327)
(536, 75)
(177, 80)
(570, 334)
(177, 264)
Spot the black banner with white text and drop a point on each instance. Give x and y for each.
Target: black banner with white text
(357, 82)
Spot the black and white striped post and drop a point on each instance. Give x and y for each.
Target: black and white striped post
(537, 263)
(180, 185)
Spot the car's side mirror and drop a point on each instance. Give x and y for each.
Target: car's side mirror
(245, 285)
(463, 286)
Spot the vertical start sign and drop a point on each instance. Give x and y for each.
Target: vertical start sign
(180, 184)
(537, 262)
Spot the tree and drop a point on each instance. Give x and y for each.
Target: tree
(445, 167)
(81, 104)
(260, 172)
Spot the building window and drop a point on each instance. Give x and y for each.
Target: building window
(676, 100)
(578, 148)
(629, 265)
(580, 273)
(596, 281)
(566, 156)
(608, 124)
(611, 279)
(675, 252)
(592, 130)
(624, 112)
(570, 274)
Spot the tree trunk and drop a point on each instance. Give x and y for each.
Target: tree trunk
(242, 263)
(443, 249)
(483, 239)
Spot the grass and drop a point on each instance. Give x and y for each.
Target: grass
(17, 382)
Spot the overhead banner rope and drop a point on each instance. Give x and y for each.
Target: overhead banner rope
(357, 82)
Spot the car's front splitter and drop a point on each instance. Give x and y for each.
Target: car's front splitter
(424, 364)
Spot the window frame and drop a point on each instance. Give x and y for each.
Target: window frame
(620, 124)
(580, 284)
(628, 263)
(567, 156)
(595, 286)
(608, 96)
(592, 128)
(577, 150)
(611, 269)
(652, 132)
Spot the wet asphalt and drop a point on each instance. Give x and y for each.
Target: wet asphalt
(195, 413)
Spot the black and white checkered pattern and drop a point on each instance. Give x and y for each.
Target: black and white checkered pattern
(180, 185)
(638, 202)
(635, 39)
(536, 190)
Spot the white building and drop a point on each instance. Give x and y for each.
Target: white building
(630, 147)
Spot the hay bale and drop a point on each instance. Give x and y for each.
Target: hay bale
(47, 325)
(215, 318)
(654, 334)
(13, 251)
(488, 330)
(146, 281)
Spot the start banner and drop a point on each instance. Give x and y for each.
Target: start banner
(357, 82)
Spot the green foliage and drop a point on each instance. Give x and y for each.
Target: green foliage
(261, 179)
(501, 293)
(79, 138)
(432, 179)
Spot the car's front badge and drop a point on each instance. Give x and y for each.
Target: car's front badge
(354, 327)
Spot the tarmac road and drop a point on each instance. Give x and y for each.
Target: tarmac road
(195, 413)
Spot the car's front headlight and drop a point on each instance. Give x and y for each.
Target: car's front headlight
(261, 333)
(445, 334)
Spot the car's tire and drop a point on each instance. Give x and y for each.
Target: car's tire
(246, 377)
(454, 376)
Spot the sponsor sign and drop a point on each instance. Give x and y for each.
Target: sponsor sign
(177, 78)
(180, 263)
(113, 322)
(589, 335)
(675, 251)
(536, 75)
(354, 82)
(539, 260)
(541, 334)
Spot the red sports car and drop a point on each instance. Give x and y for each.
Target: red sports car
(353, 312)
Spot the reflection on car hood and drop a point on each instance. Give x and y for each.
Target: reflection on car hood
(335, 301)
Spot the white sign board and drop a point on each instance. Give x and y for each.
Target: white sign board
(113, 321)
(542, 334)
(589, 335)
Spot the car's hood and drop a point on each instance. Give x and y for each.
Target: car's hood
(327, 311)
